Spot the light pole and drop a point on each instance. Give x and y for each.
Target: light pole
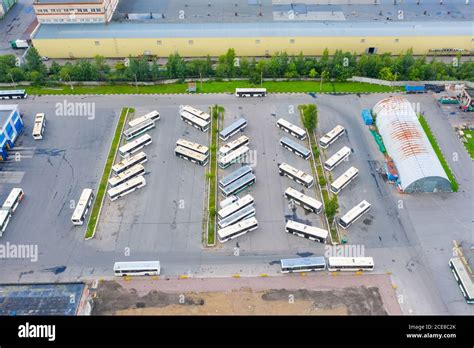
(261, 77)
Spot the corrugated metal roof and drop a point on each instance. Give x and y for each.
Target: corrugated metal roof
(406, 142)
(259, 29)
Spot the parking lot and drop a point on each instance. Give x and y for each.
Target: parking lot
(166, 214)
(408, 235)
(272, 209)
(53, 172)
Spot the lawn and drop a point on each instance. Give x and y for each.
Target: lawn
(214, 87)
(470, 142)
(91, 226)
(437, 150)
(211, 232)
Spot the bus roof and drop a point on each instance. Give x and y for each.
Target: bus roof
(233, 126)
(235, 174)
(240, 182)
(295, 145)
(303, 261)
(136, 265)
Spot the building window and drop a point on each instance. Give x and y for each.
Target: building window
(191, 42)
(397, 40)
(257, 42)
(158, 42)
(362, 40)
(292, 41)
(97, 43)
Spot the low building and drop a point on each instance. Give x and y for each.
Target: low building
(418, 166)
(5, 6)
(74, 11)
(11, 126)
(120, 40)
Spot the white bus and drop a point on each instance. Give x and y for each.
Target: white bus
(139, 129)
(233, 145)
(332, 136)
(137, 268)
(337, 158)
(239, 185)
(194, 121)
(5, 216)
(13, 94)
(295, 174)
(250, 92)
(196, 112)
(237, 230)
(303, 264)
(306, 231)
(13, 199)
(82, 207)
(135, 145)
(242, 214)
(127, 175)
(463, 279)
(203, 150)
(355, 213)
(154, 116)
(126, 188)
(234, 176)
(129, 162)
(235, 207)
(38, 128)
(228, 201)
(294, 147)
(344, 180)
(233, 157)
(350, 264)
(233, 128)
(292, 129)
(306, 202)
(191, 156)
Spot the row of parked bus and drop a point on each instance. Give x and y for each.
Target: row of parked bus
(300, 264)
(237, 215)
(346, 178)
(308, 203)
(9, 207)
(128, 174)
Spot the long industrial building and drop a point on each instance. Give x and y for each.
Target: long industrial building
(123, 39)
(406, 142)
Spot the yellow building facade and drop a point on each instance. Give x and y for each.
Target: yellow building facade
(118, 40)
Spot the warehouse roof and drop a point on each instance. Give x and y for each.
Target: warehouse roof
(44, 2)
(406, 142)
(259, 29)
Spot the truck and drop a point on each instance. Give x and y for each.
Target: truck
(367, 117)
(415, 89)
(17, 44)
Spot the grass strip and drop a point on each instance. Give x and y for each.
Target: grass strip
(437, 150)
(213, 87)
(99, 198)
(212, 175)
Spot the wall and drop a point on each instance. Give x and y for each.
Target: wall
(200, 47)
(403, 83)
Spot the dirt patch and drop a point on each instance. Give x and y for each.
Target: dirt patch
(112, 298)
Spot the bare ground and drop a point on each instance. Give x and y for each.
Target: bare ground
(114, 299)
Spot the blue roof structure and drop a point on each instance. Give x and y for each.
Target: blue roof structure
(259, 29)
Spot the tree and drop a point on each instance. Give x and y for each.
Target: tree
(101, 66)
(227, 65)
(313, 73)
(324, 76)
(33, 61)
(155, 71)
(331, 208)
(386, 74)
(310, 117)
(7, 62)
(176, 66)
